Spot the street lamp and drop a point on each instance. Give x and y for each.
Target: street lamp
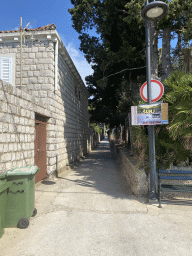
(152, 11)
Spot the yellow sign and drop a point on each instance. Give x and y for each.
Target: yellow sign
(153, 114)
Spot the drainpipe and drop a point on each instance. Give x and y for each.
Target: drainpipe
(56, 62)
(21, 50)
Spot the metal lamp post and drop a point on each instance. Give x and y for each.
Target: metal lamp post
(152, 11)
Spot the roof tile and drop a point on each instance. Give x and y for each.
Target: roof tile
(47, 27)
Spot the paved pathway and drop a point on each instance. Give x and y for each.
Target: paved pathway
(91, 212)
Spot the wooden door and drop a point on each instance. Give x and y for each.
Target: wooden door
(40, 147)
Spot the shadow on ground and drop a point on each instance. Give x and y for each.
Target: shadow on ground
(101, 172)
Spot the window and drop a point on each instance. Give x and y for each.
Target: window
(6, 69)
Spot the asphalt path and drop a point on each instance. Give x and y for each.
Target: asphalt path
(92, 212)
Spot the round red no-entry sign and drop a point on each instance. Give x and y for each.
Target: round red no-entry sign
(157, 90)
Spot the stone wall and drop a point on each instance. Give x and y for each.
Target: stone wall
(135, 177)
(17, 127)
(68, 133)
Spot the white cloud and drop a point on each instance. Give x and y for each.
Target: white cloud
(83, 67)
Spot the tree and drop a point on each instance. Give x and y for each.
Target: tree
(177, 21)
(116, 48)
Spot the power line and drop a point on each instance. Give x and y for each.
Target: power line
(122, 71)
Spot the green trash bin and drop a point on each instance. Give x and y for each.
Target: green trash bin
(21, 196)
(3, 202)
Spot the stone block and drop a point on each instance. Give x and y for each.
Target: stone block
(11, 147)
(12, 109)
(13, 50)
(1, 148)
(31, 145)
(25, 80)
(51, 168)
(39, 55)
(13, 156)
(19, 146)
(23, 112)
(6, 157)
(11, 128)
(13, 139)
(29, 62)
(6, 148)
(25, 68)
(34, 49)
(41, 80)
(24, 75)
(25, 55)
(3, 107)
(22, 138)
(45, 61)
(2, 95)
(50, 147)
(43, 94)
(41, 49)
(5, 127)
(32, 55)
(25, 153)
(51, 161)
(36, 73)
(12, 99)
(22, 120)
(36, 94)
(8, 166)
(46, 73)
(16, 120)
(33, 67)
(26, 138)
(7, 118)
(15, 146)
(30, 73)
(4, 50)
(17, 155)
(33, 80)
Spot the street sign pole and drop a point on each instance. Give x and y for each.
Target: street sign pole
(152, 192)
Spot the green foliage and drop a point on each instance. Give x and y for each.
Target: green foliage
(97, 128)
(116, 46)
(170, 139)
(179, 97)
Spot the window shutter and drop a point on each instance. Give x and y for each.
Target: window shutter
(5, 69)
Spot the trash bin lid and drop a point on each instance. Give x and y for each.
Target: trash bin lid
(2, 175)
(3, 182)
(27, 170)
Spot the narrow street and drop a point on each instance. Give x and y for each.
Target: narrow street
(92, 212)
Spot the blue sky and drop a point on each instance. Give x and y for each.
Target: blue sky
(43, 12)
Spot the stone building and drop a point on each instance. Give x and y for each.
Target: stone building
(43, 111)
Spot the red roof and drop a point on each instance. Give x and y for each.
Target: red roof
(48, 27)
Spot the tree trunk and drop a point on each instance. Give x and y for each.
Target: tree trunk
(154, 50)
(166, 57)
(187, 59)
(179, 49)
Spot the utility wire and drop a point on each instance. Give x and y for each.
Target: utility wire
(121, 59)
(121, 71)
